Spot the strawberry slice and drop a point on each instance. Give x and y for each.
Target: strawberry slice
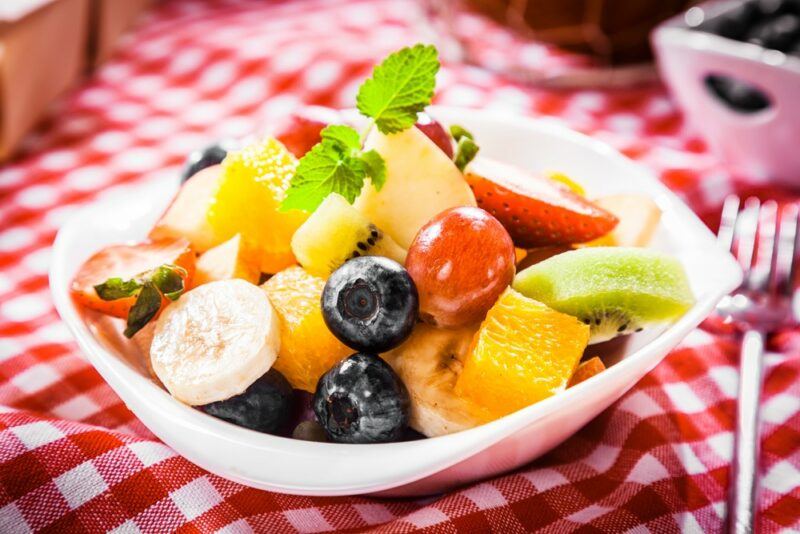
(302, 129)
(536, 211)
(119, 269)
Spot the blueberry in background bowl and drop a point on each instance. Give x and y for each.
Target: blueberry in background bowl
(206, 157)
(772, 24)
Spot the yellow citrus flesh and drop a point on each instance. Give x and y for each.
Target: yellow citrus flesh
(523, 352)
(308, 349)
(253, 185)
(569, 182)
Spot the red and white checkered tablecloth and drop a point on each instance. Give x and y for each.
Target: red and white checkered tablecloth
(73, 458)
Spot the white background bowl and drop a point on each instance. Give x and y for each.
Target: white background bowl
(416, 467)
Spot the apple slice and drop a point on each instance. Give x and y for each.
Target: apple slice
(638, 218)
(231, 259)
(421, 182)
(187, 216)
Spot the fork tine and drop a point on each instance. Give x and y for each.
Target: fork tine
(727, 222)
(761, 270)
(785, 264)
(745, 233)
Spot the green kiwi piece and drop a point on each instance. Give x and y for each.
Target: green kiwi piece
(615, 290)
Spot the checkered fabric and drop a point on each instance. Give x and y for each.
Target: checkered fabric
(73, 458)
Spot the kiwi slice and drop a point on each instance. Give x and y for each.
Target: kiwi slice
(615, 290)
(337, 232)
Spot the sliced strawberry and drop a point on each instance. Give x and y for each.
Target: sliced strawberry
(302, 130)
(536, 211)
(129, 262)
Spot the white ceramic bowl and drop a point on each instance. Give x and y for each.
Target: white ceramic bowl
(416, 467)
(761, 145)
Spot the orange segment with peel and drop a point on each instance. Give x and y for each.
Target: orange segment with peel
(308, 349)
(523, 352)
(253, 185)
(586, 370)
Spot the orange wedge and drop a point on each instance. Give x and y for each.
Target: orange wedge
(253, 185)
(523, 352)
(586, 370)
(308, 349)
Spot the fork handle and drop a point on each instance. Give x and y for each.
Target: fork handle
(742, 504)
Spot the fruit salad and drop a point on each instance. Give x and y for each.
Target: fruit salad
(380, 284)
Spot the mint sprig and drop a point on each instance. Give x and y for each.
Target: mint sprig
(400, 87)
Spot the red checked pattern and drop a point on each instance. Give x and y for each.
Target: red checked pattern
(73, 458)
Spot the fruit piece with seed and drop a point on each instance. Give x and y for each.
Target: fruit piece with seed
(638, 218)
(429, 364)
(187, 215)
(232, 259)
(436, 133)
(127, 262)
(523, 352)
(586, 370)
(337, 232)
(370, 304)
(253, 185)
(421, 182)
(308, 349)
(204, 158)
(460, 261)
(265, 406)
(215, 341)
(536, 210)
(615, 290)
(362, 400)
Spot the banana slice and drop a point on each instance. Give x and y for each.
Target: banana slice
(215, 341)
(429, 363)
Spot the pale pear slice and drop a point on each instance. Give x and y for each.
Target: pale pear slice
(421, 182)
(187, 216)
(232, 259)
(638, 218)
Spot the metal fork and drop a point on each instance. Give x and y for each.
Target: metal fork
(766, 250)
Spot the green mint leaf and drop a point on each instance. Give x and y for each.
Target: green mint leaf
(146, 307)
(459, 131)
(465, 152)
(375, 168)
(117, 288)
(344, 136)
(168, 280)
(323, 170)
(400, 87)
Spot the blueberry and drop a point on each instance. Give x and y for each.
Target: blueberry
(778, 34)
(370, 303)
(265, 406)
(774, 8)
(200, 159)
(734, 23)
(362, 400)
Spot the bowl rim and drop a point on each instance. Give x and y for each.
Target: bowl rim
(432, 454)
